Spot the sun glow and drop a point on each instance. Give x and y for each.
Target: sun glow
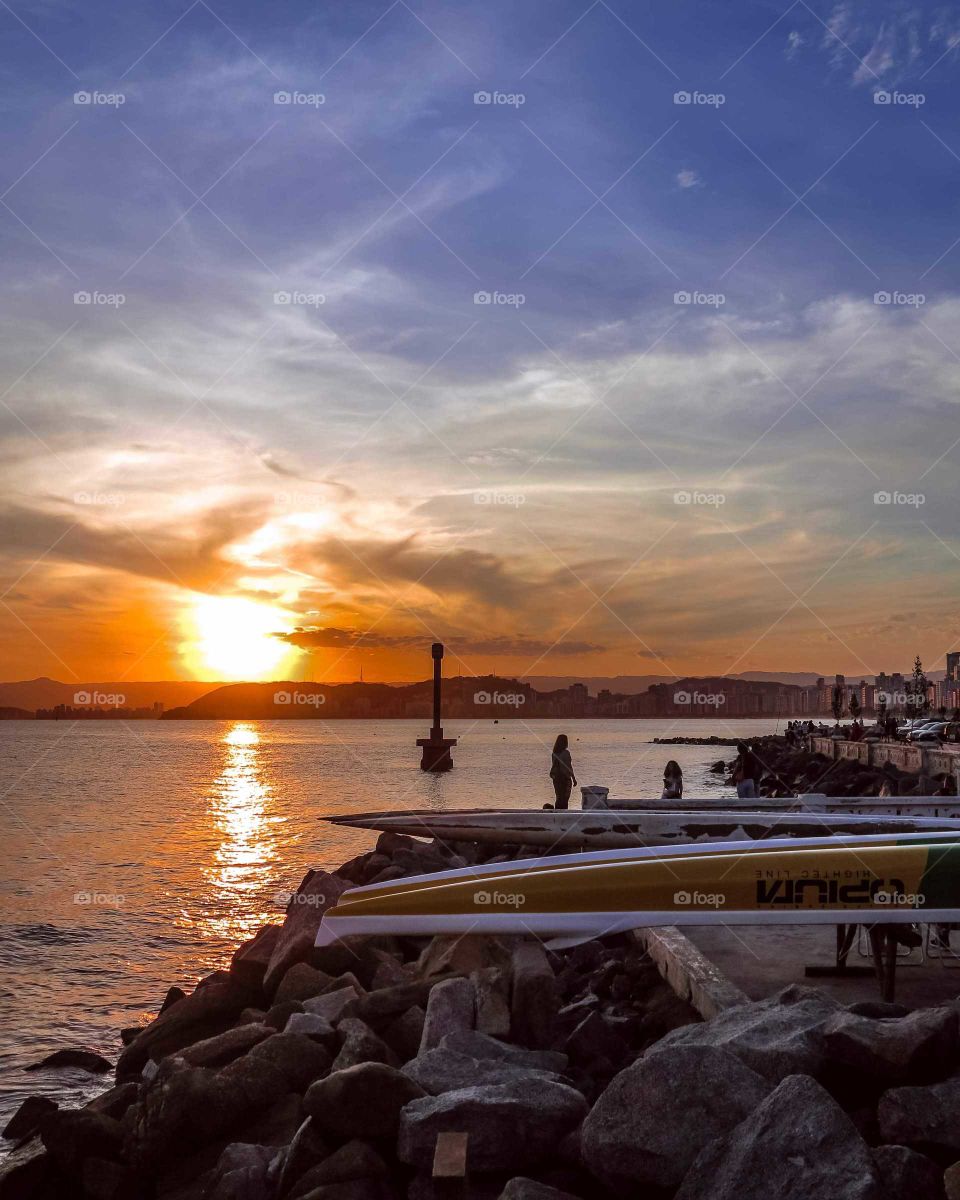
(228, 637)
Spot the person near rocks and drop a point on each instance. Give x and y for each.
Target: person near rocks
(561, 771)
(672, 781)
(746, 772)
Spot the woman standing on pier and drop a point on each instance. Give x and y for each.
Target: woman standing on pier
(561, 771)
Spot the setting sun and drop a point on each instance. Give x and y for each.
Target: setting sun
(232, 638)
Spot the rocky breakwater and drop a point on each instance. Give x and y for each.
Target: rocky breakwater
(382, 1068)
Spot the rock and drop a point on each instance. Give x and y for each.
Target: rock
(28, 1173)
(318, 891)
(405, 1032)
(225, 1047)
(70, 1136)
(656, 1116)
(512, 1125)
(906, 1175)
(106, 1180)
(208, 1010)
(115, 1101)
(451, 1008)
(461, 954)
(29, 1116)
(777, 1037)
(917, 1048)
(595, 1041)
(278, 1016)
(360, 1044)
(951, 1182)
(252, 1016)
(796, 1144)
(389, 973)
(878, 1009)
(277, 1125)
(299, 1060)
(443, 1070)
(922, 1116)
(354, 1189)
(86, 1060)
(381, 1007)
(520, 1188)
(301, 982)
(479, 1045)
(307, 1148)
(242, 1172)
(331, 1005)
(535, 1000)
(354, 1160)
(318, 1028)
(362, 1100)
(492, 987)
(174, 996)
(355, 956)
(249, 964)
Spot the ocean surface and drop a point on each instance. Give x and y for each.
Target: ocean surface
(139, 855)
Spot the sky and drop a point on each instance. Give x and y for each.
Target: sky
(602, 338)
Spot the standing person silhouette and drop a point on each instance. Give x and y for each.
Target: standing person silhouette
(561, 771)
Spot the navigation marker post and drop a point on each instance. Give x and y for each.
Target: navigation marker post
(436, 748)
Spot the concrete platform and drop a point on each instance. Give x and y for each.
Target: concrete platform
(760, 960)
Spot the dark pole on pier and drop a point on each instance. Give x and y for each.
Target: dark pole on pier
(436, 748)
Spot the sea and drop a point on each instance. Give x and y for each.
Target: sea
(137, 855)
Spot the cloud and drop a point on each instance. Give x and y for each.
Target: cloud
(688, 179)
(495, 646)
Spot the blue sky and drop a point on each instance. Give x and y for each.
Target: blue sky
(402, 461)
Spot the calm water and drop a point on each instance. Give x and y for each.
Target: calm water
(137, 856)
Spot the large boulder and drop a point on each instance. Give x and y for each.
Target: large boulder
(301, 982)
(492, 986)
(243, 1172)
(29, 1117)
(318, 891)
(777, 1037)
(520, 1188)
(906, 1175)
(798, 1143)
(355, 1160)
(404, 1034)
(451, 1008)
(249, 964)
(364, 1100)
(360, 1044)
(225, 1047)
(512, 1125)
(332, 1005)
(386, 1004)
(444, 1070)
(922, 1116)
(210, 1009)
(86, 1060)
(535, 999)
(481, 1045)
(462, 954)
(70, 1136)
(917, 1048)
(656, 1116)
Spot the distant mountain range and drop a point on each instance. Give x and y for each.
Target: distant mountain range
(31, 694)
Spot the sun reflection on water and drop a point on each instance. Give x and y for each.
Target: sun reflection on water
(248, 854)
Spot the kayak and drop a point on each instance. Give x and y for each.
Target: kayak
(873, 879)
(610, 828)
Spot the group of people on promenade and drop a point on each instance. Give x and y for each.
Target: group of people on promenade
(747, 772)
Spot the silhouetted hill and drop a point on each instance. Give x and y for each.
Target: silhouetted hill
(32, 694)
